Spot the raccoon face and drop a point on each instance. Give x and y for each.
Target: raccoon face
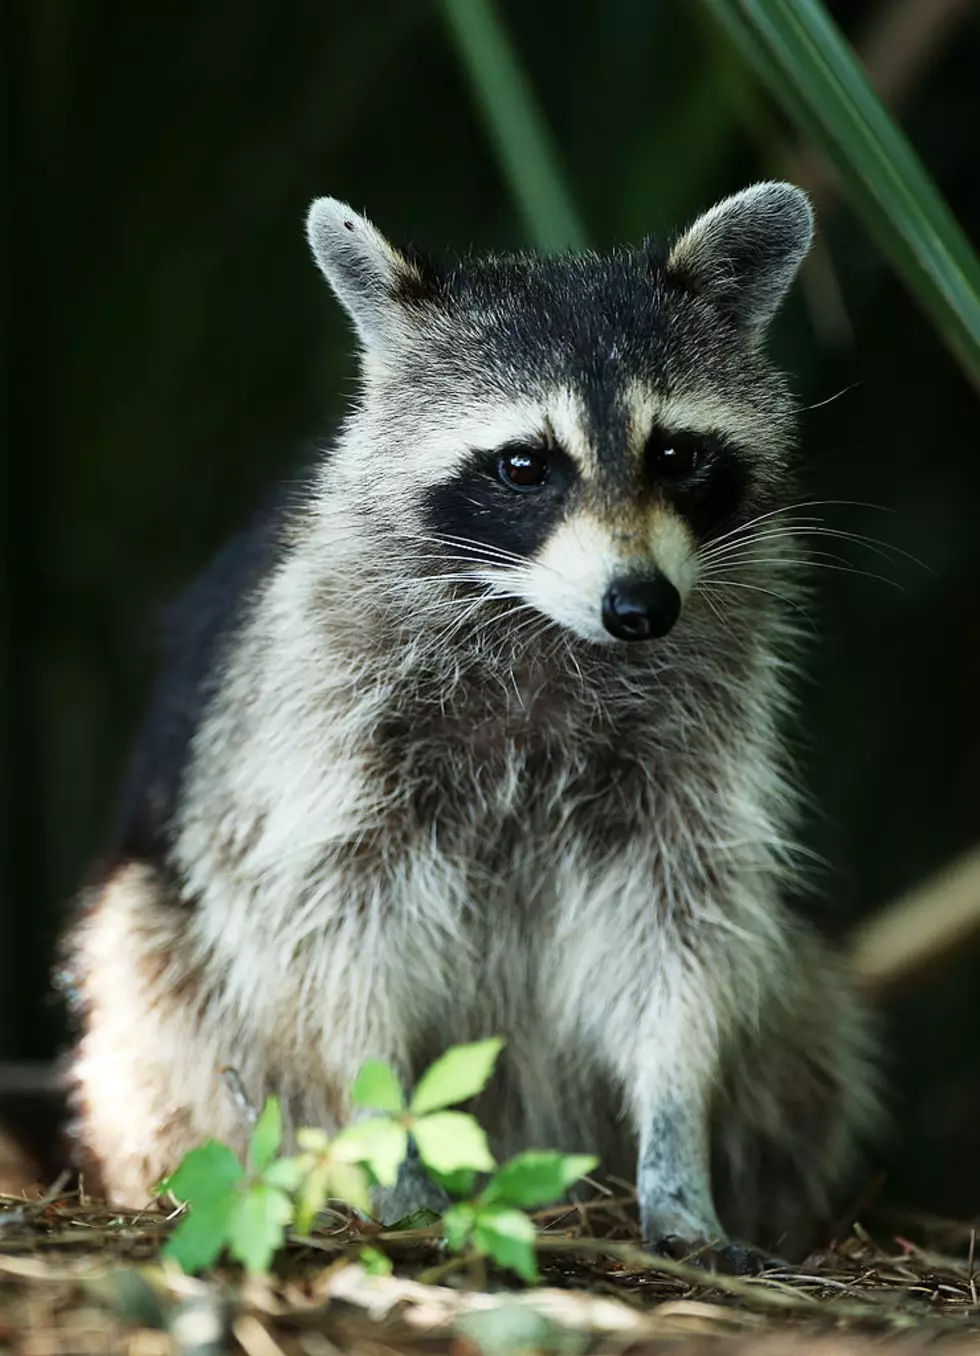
(569, 433)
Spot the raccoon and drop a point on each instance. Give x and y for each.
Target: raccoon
(477, 732)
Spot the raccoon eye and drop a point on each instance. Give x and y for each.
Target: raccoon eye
(673, 456)
(521, 468)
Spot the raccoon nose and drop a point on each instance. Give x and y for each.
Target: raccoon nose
(641, 609)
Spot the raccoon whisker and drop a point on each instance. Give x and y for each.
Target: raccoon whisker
(708, 594)
(459, 622)
(484, 548)
(798, 522)
(884, 549)
(453, 604)
(482, 552)
(747, 533)
(481, 573)
(805, 409)
(746, 554)
(792, 508)
(518, 567)
(412, 585)
(721, 584)
(741, 528)
(791, 562)
(468, 543)
(812, 562)
(471, 559)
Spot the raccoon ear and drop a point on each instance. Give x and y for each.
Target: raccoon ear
(370, 278)
(744, 253)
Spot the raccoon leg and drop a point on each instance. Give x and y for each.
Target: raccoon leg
(146, 1070)
(673, 1182)
(674, 1186)
(675, 1082)
(674, 1069)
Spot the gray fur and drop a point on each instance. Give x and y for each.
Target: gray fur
(746, 251)
(359, 264)
(428, 801)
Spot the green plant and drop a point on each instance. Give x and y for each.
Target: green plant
(799, 53)
(811, 70)
(516, 125)
(248, 1207)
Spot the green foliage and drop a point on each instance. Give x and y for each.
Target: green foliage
(379, 1142)
(374, 1263)
(796, 48)
(376, 1087)
(495, 1225)
(457, 1184)
(459, 1074)
(811, 69)
(534, 1178)
(508, 1237)
(451, 1141)
(528, 155)
(247, 1210)
(266, 1137)
(205, 1175)
(257, 1225)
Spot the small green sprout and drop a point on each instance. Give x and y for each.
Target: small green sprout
(248, 1208)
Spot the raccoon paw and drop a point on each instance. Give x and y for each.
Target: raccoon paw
(742, 1259)
(735, 1259)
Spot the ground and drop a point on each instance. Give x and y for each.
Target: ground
(78, 1278)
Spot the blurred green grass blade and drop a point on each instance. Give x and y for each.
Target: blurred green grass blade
(811, 69)
(525, 147)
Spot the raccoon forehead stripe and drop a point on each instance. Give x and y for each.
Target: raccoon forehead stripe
(696, 411)
(453, 432)
(568, 421)
(556, 416)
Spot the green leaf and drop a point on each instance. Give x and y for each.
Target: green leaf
(311, 1196)
(257, 1226)
(377, 1087)
(313, 1141)
(457, 1225)
(536, 1178)
(199, 1237)
(379, 1142)
(458, 1183)
(418, 1219)
(798, 51)
(287, 1173)
(348, 1183)
(508, 1237)
(461, 1072)
(521, 137)
(450, 1140)
(267, 1135)
(375, 1263)
(207, 1174)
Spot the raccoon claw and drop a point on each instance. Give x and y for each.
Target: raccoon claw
(734, 1259)
(741, 1259)
(674, 1246)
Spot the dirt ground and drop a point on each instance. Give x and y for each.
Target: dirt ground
(78, 1278)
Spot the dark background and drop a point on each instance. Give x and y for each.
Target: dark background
(168, 345)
